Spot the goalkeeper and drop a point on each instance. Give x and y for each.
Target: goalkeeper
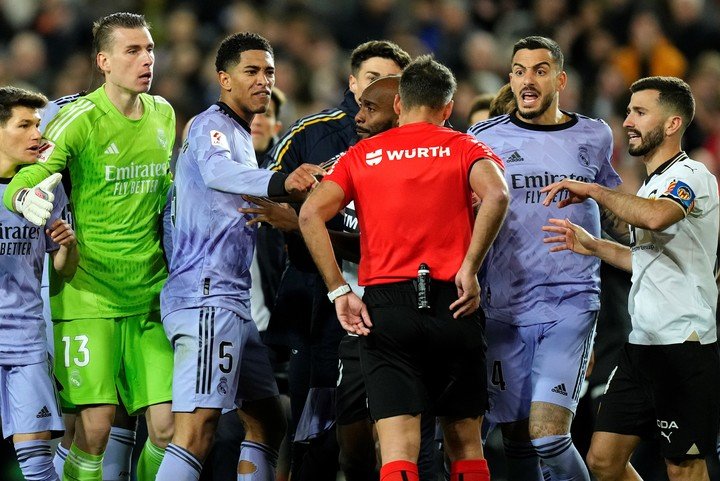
(116, 143)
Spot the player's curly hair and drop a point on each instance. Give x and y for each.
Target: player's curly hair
(230, 49)
(11, 97)
(104, 27)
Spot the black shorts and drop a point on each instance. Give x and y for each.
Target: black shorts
(415, 361)
(351, 396)
(668, 392)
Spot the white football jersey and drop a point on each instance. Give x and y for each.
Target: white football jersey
(673, 290)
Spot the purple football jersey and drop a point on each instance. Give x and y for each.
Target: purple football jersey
(522, 282)
(212, 247)
(22, 254)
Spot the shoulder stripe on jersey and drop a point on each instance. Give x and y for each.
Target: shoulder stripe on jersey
(65, 118)
(503, 119)
(67, 99)
(284, 145)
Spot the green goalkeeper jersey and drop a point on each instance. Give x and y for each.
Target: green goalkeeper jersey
(119, 174)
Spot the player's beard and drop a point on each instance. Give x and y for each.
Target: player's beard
(649, 142)
(533, 114)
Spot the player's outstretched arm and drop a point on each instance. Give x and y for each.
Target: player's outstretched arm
(569, 236)
(650, 214)
(65, 259)
(488, 183)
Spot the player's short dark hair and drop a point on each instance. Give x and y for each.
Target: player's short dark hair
(378, 48)
(426, 82)
(675, 95)
(103, 28)
(11, 97)
(228, 54)
(536, 42)
(278, 98)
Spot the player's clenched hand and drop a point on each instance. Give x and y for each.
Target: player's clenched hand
(303, 178)
(468, 291)
(36, 203)
(280, 216)
(570, 237)
(352, 314)
(577, 192)
(61, 233)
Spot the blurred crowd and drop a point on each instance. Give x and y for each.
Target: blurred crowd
(45, 45)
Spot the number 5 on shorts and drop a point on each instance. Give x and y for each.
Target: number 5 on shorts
(82, 353)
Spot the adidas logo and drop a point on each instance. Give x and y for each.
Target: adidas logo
(515, 157)
(560, 389)
(112, 149)
(44, 413)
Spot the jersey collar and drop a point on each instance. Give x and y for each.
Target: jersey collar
(679, 157)
(225, 108)
(545, 128)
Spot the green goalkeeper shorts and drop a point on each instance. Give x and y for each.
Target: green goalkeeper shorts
(95, 359)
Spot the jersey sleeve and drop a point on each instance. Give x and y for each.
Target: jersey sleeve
(476, 150)
(606, 174)
(341, 175)
(684, 191)
(63, 139)
(211, 142)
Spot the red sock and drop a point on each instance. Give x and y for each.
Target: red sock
(470, 470)
(399, 471)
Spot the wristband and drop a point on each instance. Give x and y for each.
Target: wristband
(340, 291)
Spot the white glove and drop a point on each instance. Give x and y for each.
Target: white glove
(36, 204)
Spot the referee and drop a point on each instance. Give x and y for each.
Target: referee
(424, 346)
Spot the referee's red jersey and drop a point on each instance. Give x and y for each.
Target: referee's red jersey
(412, 197)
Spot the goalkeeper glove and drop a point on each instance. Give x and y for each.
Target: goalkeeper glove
(36, 204)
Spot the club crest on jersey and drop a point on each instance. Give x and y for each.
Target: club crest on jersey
(218, 139)
(682, 193)
(374, 157)
(222, 387)
(583, 155)
(45, 150)
(162, 138)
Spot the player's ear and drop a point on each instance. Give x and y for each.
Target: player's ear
(102, 62)
(673, 125)
(224, 80)
(396, 104)
(277, 128)
(447, 110)
(352, 84)
(562, 81)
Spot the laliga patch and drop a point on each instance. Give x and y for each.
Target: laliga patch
(681, 193)
(45, 150)
(218, 139)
